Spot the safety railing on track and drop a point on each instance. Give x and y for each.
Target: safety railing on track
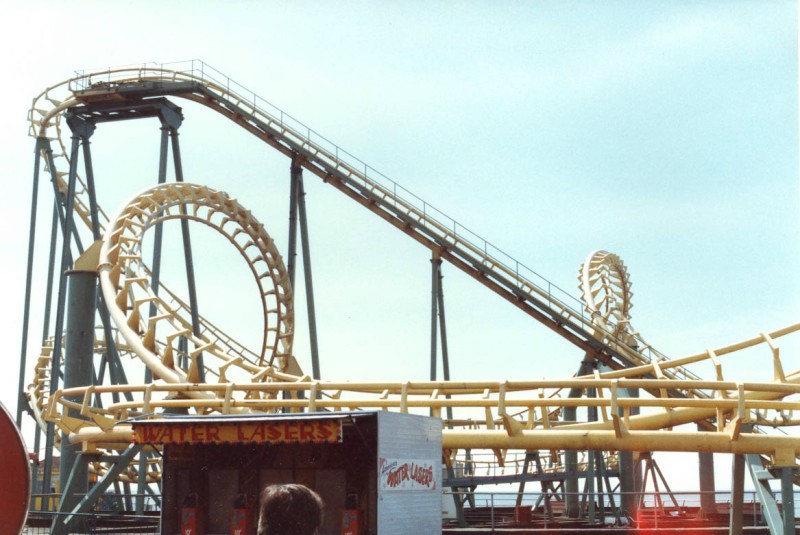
(359, 173)
(450, 231)
(484, 253)
(493, 399)
(499, 404)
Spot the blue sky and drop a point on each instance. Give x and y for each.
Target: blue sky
(666, 132)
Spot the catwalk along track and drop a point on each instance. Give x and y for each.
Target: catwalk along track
(626, 396)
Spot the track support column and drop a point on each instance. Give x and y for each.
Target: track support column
(21, 400)
(787, 500)
(438, 322)
(708, 505)
(295, 171)
(443, 335)
(630, 479)
(571, 497)
(436, 264)
(297, 174)
(78, 366)
(81, 131)
(736, 522)
(187, 249)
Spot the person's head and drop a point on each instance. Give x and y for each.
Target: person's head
(289, 510)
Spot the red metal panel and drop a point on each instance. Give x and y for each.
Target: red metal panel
(15, 492)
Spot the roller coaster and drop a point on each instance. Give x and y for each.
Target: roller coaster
(625, 401)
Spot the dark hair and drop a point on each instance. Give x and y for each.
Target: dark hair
(289, 510)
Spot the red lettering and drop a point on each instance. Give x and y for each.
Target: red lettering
(325, 430)
(395, 477)
(198, 434)
(212, 432)
(273, 433)
(291, 432)
(307, 432)
(145, 434)
(258, 434)
(421, 475)
(240, 436)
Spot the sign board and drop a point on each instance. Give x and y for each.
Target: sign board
(238, 432)
(406, 474)
(15, 491)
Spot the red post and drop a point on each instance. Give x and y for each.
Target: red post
(239, 522)
(190, 521)
(350, 522)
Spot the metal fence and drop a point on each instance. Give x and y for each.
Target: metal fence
(113, 513)
(95, 523)
(658, 509)
(481, 509)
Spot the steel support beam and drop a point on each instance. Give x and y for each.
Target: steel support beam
(736, 521)
(78, 359)
(437, 310)
(66, 261)
(61, 197)
(439, 322)
(443, 334)
(73, 489)
(525, 465)
(22, 400)
(589, 491)
(93, 208)
(571, 498)
(158, 237)
(51, 268)
(309, 284)
(155, 284)
(48, 304)
(592, 492)
(787, 500)
(708, 504)
(436, 263)
(630, 479)
(295, 171)
(458, 500)
(761, 477)
(548, 490)
(115, 369)
(67, 522)
(187, 252)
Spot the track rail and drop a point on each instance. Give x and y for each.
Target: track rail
(485, 406)
(127, 291)
(503, 274)
(514, 414)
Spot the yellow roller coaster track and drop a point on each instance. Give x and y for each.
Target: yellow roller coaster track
(522, 415)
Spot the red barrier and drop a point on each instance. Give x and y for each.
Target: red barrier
(15, 490)
(350, 522)
(191, 522)
(239, 522)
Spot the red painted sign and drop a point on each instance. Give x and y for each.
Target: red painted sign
(266, 432)
(405, 474)
(15, 490)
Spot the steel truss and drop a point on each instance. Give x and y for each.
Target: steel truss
(185, 355)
